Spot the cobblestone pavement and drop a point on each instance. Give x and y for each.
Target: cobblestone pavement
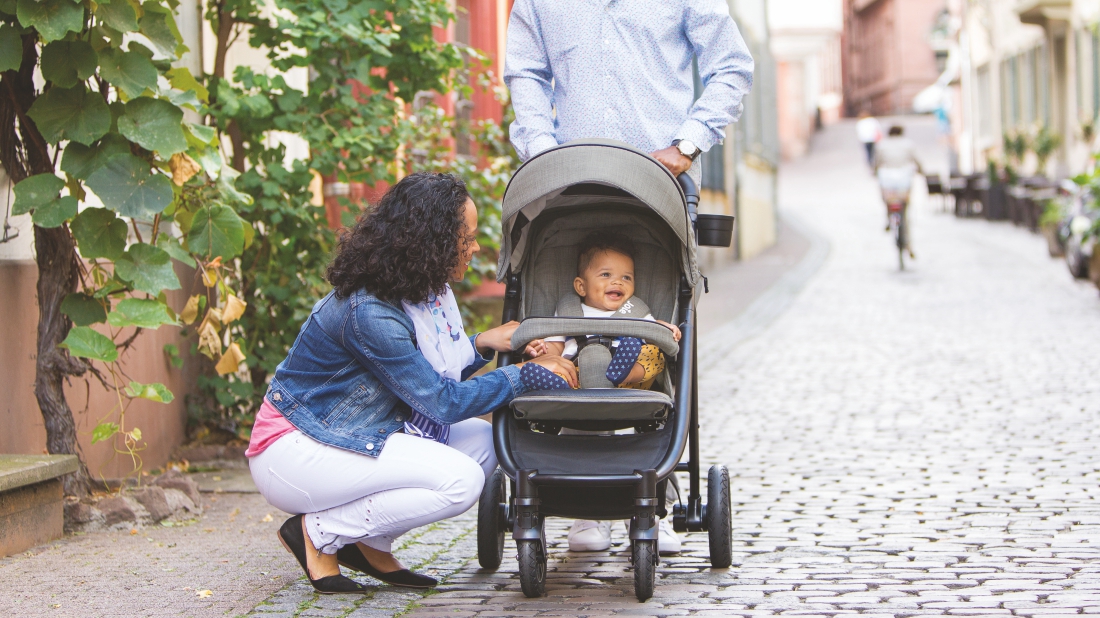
(900, 443)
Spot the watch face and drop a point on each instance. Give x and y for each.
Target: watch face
(687, 149)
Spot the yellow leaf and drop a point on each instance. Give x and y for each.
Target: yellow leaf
(135, 433)
(267, 519)
(209, 342)
(202, 594)
(209, 277)
(234, 308)
(183, 168)
(191, 310)
(230, 360)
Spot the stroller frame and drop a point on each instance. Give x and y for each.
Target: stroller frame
(513, 495)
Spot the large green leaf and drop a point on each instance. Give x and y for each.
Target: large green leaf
(56, 212)
(66, 63)
(83, 310)
(99, 234)
(52, 18)
(147, 268)
(153, 392)
(131, 71)
(216, 231)
(71, 113)
(160, 29)
(79, 161)
(11, 48)
(172, 246)
(118, 14)
(38, 190)
(181, 79)
(140, 312)
(84, 342)
(154, 124)
(127, 185)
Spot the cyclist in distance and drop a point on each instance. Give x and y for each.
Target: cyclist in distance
(895, 165)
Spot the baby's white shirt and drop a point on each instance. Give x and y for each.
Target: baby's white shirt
(588, 312)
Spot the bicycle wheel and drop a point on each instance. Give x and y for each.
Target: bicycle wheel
(898, 223)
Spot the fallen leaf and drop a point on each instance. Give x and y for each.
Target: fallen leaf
(217, 478)
(230, 360)
(234, 514)
(183, 168)
(133, 531)
(267, 519)
(234, 308)
(202, 594)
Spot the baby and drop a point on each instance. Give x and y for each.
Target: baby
(605, 282)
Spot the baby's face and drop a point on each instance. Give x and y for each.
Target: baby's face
(608, 281)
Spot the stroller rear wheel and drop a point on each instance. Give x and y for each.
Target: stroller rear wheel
(644, 557)
(491, 522)
(719, 517)
(532, 568)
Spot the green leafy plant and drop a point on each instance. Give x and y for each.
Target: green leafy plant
(368, 62)
(1044, 145)
(119, 185)
(1016, 146)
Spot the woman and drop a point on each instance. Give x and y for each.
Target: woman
(368, 427)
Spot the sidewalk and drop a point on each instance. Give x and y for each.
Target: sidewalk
(228, 561)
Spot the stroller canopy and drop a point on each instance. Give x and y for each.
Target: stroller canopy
(542, 184)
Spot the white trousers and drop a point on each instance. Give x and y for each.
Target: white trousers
(348, 497)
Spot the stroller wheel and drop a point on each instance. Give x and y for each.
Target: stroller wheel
(532, 568)
(491, 522)
(644, 557)
(719, 517)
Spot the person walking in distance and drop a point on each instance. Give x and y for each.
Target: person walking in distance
(612, 69)
(869, 132)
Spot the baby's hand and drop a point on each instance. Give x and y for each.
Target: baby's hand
(672, 327)
(536, 349)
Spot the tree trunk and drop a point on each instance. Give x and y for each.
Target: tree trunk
(22, 155)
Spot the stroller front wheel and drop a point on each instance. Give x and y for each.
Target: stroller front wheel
(644, 557)
(719, 517)
(532, 568)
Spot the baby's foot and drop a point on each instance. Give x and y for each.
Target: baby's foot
(539, 378)
(622, 362)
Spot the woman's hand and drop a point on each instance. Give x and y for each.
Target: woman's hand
(672, 327)
(558, 365)
(498, 339)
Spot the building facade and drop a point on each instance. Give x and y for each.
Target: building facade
(887, 55)
(806, 43)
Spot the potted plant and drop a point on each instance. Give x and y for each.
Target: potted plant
(1054, 215)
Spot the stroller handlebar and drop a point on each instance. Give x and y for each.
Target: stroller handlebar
(691, 192)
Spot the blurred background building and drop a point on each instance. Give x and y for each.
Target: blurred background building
(805, 40)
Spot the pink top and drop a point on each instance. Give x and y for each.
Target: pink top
(270, 426)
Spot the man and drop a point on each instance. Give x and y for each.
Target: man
(895, 165)
(869, 131)
(622, 69)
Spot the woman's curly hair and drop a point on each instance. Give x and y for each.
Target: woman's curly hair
(408, 244)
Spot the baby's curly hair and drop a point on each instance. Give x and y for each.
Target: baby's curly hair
(406, 246)
(596, 243)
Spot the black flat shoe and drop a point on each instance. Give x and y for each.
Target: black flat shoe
(352, 557)
(293, 539)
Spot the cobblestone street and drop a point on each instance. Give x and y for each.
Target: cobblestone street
(900, 443)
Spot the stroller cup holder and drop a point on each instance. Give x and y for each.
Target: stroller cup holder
(710, 230)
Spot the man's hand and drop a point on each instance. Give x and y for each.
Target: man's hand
(673, 159)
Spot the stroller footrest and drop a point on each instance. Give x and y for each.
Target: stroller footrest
(593, 404)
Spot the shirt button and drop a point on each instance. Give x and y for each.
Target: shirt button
(370, 446)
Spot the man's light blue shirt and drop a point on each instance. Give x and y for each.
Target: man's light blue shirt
(621, 69)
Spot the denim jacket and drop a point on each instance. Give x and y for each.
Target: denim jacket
(354, 373)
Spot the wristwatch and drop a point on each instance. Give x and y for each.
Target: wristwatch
(687, 148)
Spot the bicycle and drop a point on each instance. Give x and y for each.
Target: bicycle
(895, 206)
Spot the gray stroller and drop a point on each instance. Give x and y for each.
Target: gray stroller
(551, 203)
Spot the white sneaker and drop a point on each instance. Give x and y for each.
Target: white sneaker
(667, 541)
(586, 535)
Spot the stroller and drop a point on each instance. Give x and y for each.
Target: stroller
(551, 203)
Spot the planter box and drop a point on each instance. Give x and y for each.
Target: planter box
(31, 500)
